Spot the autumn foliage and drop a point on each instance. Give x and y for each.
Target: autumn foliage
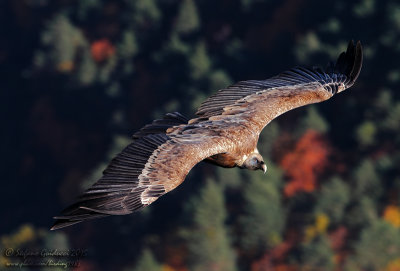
(319, 227)
(102, 50)
(392, 215)
(274, 259)
(305, 162)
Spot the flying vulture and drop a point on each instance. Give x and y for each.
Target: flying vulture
(225, 133)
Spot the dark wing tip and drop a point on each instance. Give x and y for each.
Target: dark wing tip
(73, 215)
(118, 191)
(62, 223)
(349, 63)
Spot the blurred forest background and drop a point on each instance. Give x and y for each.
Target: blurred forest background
(78, 78)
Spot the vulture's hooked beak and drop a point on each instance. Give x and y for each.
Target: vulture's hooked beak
(264, 167)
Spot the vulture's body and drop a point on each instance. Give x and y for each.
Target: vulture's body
(224, 133)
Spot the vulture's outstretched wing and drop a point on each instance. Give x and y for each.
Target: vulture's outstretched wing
(152, 165)
(259, 102)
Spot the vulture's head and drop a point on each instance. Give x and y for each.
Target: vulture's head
(255, 161)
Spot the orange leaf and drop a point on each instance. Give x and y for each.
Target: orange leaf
(305, 162)
(102, 50)
(392, 215)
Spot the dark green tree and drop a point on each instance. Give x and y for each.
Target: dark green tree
(145, 12)
(317, 255)
(61, 41)
(199, 61)
(207, 238)
(267, 139)
(313, 120)
(263, 220)
(379, 244)
(333, 198)
(87, 70)
(187, 20)
(366, 180)
(229, 178)
(146, 262)
(86, 6)
(127, 48)
(362, 212)
(366, 133)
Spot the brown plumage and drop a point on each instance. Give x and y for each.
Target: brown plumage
(224, 133)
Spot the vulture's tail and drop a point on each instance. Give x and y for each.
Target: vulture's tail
(100, 204)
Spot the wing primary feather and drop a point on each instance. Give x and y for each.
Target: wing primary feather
(119, 191)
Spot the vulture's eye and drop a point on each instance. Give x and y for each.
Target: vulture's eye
(254, 162)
